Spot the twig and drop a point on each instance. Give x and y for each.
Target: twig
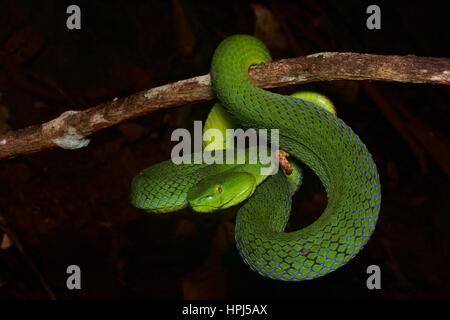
(28, 261)
(70, 128)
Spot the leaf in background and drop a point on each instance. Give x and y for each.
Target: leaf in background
(267, 28)
(209, 280)
(24, 44)
(4, 116)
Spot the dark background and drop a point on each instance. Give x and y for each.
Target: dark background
(65, 207)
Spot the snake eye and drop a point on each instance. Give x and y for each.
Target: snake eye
(218, 188)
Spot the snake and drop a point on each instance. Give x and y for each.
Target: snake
(312, 136)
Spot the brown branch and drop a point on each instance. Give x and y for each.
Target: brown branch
(71, 127)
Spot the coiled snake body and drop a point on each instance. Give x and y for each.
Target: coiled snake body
(308, 133)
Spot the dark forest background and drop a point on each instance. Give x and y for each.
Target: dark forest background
(65, 207)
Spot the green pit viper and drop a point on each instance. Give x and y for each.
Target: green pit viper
(310, 134)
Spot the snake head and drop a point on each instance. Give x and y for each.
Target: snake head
(221, 191)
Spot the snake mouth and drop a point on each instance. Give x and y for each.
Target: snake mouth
(203, 208)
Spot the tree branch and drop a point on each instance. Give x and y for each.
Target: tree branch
(71, 128)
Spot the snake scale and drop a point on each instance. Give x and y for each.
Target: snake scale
(308, 133)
